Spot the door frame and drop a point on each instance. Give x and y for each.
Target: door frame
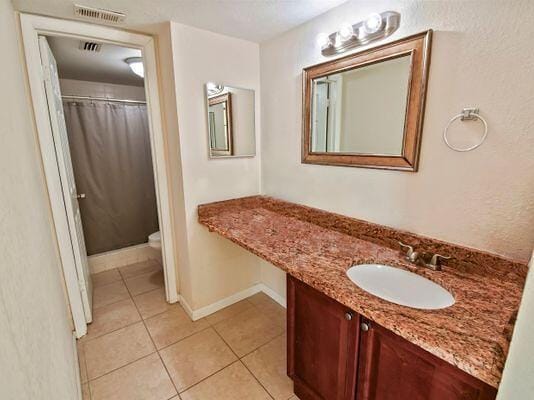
(31, 27)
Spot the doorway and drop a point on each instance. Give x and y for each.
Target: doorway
(102, 148)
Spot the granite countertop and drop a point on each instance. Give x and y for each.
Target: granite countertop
(317, 248)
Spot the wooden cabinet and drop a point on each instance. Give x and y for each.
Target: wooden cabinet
(322, 345)
(391, 368)
(334, 354)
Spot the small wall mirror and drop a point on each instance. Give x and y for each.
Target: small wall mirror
(366, 109)
(231, 121)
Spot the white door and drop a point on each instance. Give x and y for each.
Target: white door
(68, 185)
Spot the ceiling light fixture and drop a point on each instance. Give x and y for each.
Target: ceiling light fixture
(136, 65)
(376, 26)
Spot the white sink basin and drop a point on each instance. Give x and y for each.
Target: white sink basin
(400, 287)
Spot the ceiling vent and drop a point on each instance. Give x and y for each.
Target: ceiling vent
(98, 14)
(91, 47)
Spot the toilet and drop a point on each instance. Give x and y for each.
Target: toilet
(154, 242)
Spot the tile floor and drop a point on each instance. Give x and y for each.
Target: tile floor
(141, 348)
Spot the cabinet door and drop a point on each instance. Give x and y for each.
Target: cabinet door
(322, 344)
(391, 368)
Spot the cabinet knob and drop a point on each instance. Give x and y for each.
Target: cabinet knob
(364, 326)
(348, 316)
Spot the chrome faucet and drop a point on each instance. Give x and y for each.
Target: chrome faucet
(428, 260)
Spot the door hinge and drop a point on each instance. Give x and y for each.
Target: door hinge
(81, 284)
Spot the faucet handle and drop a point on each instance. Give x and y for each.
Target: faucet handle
(435, 261)
(410, 254)
(409, 249)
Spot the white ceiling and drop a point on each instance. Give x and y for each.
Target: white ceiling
(107, 65)
(254, 20)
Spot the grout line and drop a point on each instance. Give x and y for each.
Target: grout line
(123, 366)
(257, 379)
(185, 337)
(209, 325)
(239, 359)
(156, 347)
(209, 376)
(131, 362)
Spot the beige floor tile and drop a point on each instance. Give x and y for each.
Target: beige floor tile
(273, 310)
(140, 268)
(152, 303)
(112, 317)
(145, 283)
(232, 383)
(260, 298)
(86, 395)
(268, 364)
(228, 312)
(173, 325)
(248, 330)
(81, 361)
(195, 358)
(103, 278)
(109, 294)
(145, 379)
(117, 349)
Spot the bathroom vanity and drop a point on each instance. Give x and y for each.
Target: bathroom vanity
(335, 353)
(345, 343)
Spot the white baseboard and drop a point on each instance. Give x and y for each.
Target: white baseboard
(228, 301)
(273, 295)
(119, 258)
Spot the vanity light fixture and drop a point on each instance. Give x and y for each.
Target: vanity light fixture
(136, 65)
(376, 26)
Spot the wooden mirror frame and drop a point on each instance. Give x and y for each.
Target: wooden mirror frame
(418, 47)
(222, 98)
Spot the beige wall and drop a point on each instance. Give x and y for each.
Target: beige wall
(483, 199)
(215, 268)
(36, 349)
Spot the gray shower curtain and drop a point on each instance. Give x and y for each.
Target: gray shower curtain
(110, 148)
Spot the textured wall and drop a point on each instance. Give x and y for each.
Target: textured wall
(480, 57)
(216, 268)
(36, 350)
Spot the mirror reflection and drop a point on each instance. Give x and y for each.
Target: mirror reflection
(231, 122)
(362, 110)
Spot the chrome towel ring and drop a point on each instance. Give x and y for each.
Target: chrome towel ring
(467, 114)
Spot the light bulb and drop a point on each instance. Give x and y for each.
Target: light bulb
(337, 42)
(323, 40)
(373, 23)
(346, 31)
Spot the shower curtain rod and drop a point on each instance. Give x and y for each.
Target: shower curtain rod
(103, 99)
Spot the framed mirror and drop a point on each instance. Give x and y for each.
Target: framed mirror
(231, 121)
(366, 109)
